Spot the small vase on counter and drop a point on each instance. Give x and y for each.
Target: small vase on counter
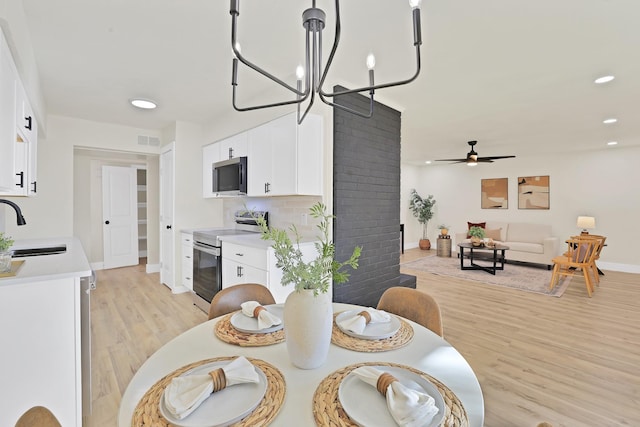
(5, 261)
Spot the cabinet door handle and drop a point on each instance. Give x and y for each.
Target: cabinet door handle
(231, 152)
(28, 125)
(21, 175)
(239, 271)
(187, 257)
(107, 222)
(239, 254)
(267, 187)
(34, 186)
(168, 227)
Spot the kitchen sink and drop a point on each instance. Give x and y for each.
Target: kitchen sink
(44, 250)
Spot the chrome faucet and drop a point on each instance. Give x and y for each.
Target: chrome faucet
(21, 220)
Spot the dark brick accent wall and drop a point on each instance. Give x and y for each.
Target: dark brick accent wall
(366, 199)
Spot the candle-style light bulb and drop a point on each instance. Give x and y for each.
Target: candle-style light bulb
(371, 61)
(414, 3)
(299, 72)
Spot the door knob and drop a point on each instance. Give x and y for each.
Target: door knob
(106, 222)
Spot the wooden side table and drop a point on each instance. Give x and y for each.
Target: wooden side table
(444, 246)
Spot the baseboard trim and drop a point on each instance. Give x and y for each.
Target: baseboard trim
(152, 268)
(623, 268)
(95, 266)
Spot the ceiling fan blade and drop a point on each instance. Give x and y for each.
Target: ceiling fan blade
(496, 157)
(484, 160)
(452, 160)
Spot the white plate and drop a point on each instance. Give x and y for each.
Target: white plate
(223, 407)
(373, 331)
(368, 408)
(250, 324)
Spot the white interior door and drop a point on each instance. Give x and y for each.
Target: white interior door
(167, 236)
(119, 216)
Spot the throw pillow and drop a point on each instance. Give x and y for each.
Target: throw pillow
(493, 233)
(475, 224)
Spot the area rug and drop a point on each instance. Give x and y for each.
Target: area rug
(515, 276)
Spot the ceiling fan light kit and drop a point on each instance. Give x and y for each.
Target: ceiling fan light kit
(311, 77)
(472, 158)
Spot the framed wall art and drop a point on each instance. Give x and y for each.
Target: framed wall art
(533, 192)
(495, 194)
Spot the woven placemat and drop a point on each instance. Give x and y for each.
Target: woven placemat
(227, 333)
(147, 412)
(399, 339)
(327, 410)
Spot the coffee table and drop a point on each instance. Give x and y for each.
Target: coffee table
(482, 253)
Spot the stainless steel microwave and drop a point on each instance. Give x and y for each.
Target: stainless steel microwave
(230, 176)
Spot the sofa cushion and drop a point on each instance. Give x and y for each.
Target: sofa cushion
(534, 248)
(492, 233)
(504, 226)
(528, 233)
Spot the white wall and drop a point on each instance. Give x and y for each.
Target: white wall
(602, 183)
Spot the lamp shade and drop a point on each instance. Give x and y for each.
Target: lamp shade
(586, 222)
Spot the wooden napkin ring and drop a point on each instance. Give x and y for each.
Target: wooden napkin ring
(366, 315)
(383, 383)
(219, 379)
(257, 310)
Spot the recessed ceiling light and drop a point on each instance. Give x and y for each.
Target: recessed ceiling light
(604, 79)
(609, 121)
(145, 104)
(612, 143)
(428, 162)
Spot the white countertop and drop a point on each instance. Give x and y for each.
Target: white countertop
(256, 241)
(72, 263)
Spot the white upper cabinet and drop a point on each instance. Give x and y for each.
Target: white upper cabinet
(234, 146)
(18, 132)
(284, 158)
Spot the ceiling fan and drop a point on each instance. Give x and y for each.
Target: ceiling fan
(472, 158)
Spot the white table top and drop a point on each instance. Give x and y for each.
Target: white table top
(427, 352)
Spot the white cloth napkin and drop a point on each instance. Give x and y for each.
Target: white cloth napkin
(265, 319)
(184, 394)
(357, 322)
(408, 407)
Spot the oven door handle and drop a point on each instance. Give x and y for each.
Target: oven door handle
(206, 249)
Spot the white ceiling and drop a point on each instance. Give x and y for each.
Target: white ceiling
(515, 75)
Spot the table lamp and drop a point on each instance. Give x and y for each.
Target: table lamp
(586, 223)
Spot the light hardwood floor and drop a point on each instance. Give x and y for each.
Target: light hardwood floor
(573, 361)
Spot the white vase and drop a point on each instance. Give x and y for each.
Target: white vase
(308, 320)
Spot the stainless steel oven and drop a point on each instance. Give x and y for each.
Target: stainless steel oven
(207, 272)
(207, 256)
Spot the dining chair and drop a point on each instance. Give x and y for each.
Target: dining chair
(601, 241)
(414, 305)
(229, 299)
(38, 416)
(578, 259)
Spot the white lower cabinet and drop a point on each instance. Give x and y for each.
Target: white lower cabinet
(187, 260)
(252, 264)
(40, 360)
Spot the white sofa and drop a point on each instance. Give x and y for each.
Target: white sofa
(531, 243)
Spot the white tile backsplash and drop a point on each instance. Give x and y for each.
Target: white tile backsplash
(283, 211)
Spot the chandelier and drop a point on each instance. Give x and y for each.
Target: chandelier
(311, 77)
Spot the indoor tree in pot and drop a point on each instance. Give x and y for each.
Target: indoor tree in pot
(5, 254)
(308, 314)
(423, 210)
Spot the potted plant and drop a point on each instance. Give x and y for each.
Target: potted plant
(308, 314)
(5, 255)
(444, 229)
(476, 235)
(423, 210)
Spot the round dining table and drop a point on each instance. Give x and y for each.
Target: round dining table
(426, 352)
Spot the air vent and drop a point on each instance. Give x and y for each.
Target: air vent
(148, 140)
